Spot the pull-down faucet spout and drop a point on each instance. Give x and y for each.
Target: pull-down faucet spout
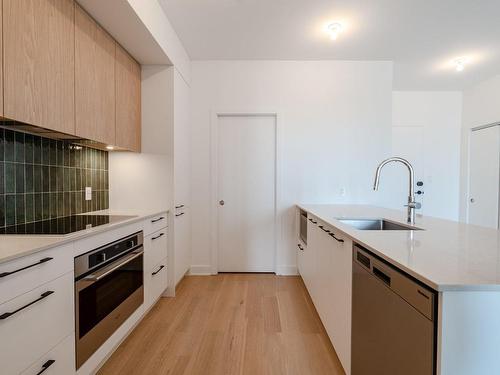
(411, 193)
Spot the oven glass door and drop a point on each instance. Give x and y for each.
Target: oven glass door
(98, 299)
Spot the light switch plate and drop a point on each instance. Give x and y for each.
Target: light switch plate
(88, 193)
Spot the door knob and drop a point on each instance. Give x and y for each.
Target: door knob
(222, 203)
(472, 200)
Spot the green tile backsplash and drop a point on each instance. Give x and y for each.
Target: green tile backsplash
(42, 178)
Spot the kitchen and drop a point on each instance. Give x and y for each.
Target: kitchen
(188, 187)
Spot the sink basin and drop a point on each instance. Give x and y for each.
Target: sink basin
(375, 224)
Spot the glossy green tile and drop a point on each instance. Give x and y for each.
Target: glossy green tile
(19, 147)
(60, 204)
(10, 209)
(9, 137)
(28, 148)
(29, 178)
(2, 178)
(38, 206)
(10, 177)
(20, 187)
(45, 206)
(37, 150)
(30, 208)
(37, 178)
(20, 209)
(1, 144)
(45, 151)
(53, 205)
(45, 178)
(60, 153)
(53, 179)
(2, 210)
(53, 152)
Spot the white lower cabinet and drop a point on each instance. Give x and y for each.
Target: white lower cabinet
(59, 361)
(157, 282)
(34, 322)
(155, 266)
(326, 268)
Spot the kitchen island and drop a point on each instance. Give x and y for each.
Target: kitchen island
(460, 263)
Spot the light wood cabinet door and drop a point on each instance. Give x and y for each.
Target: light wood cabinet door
(128, 101)
(94, 80)
(39, 63)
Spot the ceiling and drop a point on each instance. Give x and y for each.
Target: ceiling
(422, 37)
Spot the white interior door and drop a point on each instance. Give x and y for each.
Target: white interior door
(407, 143)
(246, 168)
(484, 177)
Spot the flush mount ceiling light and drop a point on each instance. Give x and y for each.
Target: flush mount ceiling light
(334, 29)
(459, 63)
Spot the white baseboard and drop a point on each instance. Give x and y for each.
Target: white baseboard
(284, 270)
(287, 270)
(200, 270)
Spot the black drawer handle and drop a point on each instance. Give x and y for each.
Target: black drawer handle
(177, 215)
(155, 220)
(323, 229)
(158, 236)
(42, 296)
(158, 270)
(338, 239)
(300, 247)
(46, 365)
(41, 261)
(179, 206)
(312, 221)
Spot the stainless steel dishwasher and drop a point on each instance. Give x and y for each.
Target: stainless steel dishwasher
(393, 320)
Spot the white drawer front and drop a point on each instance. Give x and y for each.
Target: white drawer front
(157, 282)
(155, 247)
(26, 335)
(46, 265)
(63, 357)
(155, 223)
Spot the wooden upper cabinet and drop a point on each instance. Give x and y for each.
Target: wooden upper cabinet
(94, 80)
(39, 63)
(128, 101)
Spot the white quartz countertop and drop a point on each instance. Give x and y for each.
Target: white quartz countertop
(14, 246)
(446, 255)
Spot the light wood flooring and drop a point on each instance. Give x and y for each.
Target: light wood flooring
(229, 324)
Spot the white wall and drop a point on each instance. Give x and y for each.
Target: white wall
(336, 128)
(145, 181)
(438, 117)
(481, 106)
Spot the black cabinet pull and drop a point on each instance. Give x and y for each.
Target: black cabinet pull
(46, 365)
(300, 247)
(42, 296)
(158, 270)
(155, 220)
(338, 239)
(177, 215)
(41, 261)
(158, 236)
(323, 229)
(179, 206)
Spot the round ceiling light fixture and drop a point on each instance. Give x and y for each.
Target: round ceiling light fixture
(334, 29)
(460, 63)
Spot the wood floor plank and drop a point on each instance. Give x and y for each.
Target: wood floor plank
(230, 324)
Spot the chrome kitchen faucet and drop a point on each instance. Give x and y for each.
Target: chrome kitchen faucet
(412, 205)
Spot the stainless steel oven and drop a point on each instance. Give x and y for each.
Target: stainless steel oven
(109, 287)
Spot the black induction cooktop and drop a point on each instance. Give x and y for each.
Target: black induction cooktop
(63, 225)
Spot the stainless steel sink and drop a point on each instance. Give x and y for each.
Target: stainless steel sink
(375, 224)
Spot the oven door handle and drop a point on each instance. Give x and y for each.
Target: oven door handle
(113, 267)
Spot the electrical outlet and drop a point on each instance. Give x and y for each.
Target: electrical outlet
(88, 193)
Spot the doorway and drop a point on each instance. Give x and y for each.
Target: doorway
(484, 176)
(245, 151)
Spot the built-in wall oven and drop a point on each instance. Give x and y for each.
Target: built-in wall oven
(109, 287)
